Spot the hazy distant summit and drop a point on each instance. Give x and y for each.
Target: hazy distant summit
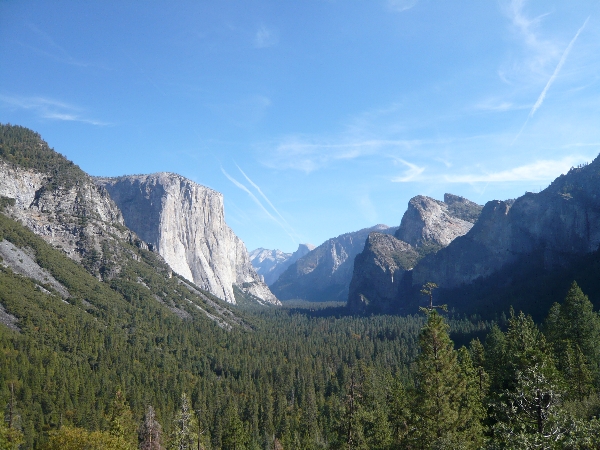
(270, 264)
(324, 274)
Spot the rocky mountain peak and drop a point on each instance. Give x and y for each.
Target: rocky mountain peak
(270, 264)
(430, 223)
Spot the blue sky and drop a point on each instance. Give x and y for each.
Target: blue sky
(312, 117)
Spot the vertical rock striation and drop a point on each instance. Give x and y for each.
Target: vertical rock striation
(185, 223)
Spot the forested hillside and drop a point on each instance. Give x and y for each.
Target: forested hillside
(88, 370)
(112, 350)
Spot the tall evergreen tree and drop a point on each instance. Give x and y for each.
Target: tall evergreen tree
(528, 408)
(121, 420)
(442, 410)
(183, 436)
(574, 324)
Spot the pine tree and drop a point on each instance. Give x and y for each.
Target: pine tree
(399, 412)
(528, 408)
(234, 436)
(442, 410)
(121, 420)
(150, 432)
(574, 323)
(183, 436)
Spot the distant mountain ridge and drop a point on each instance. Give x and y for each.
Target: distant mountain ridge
(324, 274)
(523, 247)
(270, 264)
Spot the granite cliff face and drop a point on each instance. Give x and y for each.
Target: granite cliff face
(60, 203)
(382, 271)
(429, 224)
(550, 229)
(270, 264)
(185, 223)
(324, 274)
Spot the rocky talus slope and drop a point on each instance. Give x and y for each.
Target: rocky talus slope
(270, 264)
(185, 223)
(550, 229)
(324, 274)
(382, 271)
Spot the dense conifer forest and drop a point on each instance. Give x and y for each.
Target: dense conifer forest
(125, 371)
(114, 366)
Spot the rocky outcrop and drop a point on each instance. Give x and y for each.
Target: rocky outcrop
(382, 270)
(324, 274)
(71, 213)
(550, 229)
(430, 224)
(270, 264)
(185, 223)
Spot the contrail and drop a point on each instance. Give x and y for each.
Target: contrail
(542, 96)
(257, 201)
(267, 200)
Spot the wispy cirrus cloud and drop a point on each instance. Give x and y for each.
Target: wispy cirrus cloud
(412, 172)
(540, 51)
(559, 66)
(51, 49)
(282, 223)
(48, 108)
(265, 37)
(540, 170)
(401, 5)
(309, 154)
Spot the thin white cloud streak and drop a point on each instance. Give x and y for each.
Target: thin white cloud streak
(57, 52)
(541, 170)
(265, 38)
(259, 190)
(257, 201)
(47, 108)
(309, 156)
(543, 51)
(412, 173)
(542, 96)
(401, 5)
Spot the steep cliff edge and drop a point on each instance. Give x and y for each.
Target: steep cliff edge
(324, 274)
(382, 270)
(185, 223)
(59, 202)
(550, 229)
(270, 264)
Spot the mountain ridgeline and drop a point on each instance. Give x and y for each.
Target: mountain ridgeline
(324, 274)
(383, 270)
(519, 253)
(183, 221)
(112, 337)
(270, 264)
